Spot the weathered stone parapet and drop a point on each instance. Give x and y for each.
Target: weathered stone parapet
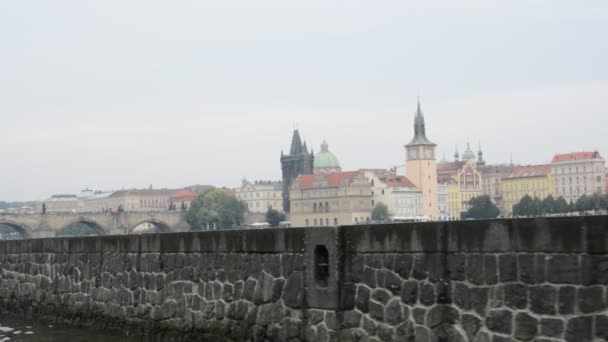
(508, 280)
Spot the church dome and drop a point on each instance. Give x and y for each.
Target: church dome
(468, 154)
(325, 160)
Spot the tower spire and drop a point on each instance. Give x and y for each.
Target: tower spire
(420, 129)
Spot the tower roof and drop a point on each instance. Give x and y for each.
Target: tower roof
(296, 143)
(420, 130)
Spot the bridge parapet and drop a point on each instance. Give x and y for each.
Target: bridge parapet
(47, 225)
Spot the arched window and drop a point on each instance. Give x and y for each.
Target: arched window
(314, 207)
(326, 207)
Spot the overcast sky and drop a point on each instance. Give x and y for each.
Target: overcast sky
(118, 94)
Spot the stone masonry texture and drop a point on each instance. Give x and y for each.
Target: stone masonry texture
(539, 280)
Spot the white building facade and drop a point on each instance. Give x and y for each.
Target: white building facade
(577, 174)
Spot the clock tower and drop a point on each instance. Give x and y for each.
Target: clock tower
(421, 166)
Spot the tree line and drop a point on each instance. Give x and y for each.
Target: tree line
(529, 206)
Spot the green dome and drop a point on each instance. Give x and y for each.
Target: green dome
(326, 159)
(468, 154)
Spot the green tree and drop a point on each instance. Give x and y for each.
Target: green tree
(524, 207)
(583, 203)
(561, 206)
(604, 202)
(380, 212)
(274, 217)
(215, 207)
(549, 205)
(482, 207)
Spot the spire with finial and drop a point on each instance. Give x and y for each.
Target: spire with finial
(296, 144)
(420, 129)
(480, 160)
(304, 148)
(324, 146)
(456, 155)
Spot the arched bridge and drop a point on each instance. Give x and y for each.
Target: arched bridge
(51, 225)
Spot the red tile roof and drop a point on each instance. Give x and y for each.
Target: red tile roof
(449, 166)
(575, 156)
(529, 171)
(445, 179)
(398, 182)
(183, 196)
(334, 179)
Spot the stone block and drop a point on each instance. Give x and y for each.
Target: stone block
(566, 300)
(475, 269)
(393, 312)
(392, 282)
(490, 264)
(427, 294)
(403, 265)
(421, 267)
(552, 327)
(500, 321)
(515, 296)
(351, 319)
(376, 311)
(526, 327)
(386, 332)
(421, 334)
(579, 329)
(462, 296)
(294, 292)
(564, 269)
(471, 325)
(409, 292)
(362, 298)
(456, 266)
(419, 315)
(601, 327)
(543, 300)
(507, 268)
(591, 299)
(479, 300)
(381, 295)
(442, 314)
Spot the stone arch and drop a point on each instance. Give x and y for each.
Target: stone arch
(161, 226)
(20, 228)
(95, 227)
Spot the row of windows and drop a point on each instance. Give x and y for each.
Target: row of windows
(320, 208)
(257, 195)
(321, 222)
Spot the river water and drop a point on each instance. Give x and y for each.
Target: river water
(18, 329)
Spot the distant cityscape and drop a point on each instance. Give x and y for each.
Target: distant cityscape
(315, 191)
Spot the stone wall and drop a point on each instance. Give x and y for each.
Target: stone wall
(542, 280)
(485, 281)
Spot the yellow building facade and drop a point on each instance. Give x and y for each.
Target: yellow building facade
(534, 181)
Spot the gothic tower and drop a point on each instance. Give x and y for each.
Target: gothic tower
(421, 166)
(297, 162)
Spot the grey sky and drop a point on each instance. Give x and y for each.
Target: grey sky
(118, 94)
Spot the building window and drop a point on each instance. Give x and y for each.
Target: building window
(335, 221)
(327, 222)
(307, 223)
(315, 222)
(314, 207)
